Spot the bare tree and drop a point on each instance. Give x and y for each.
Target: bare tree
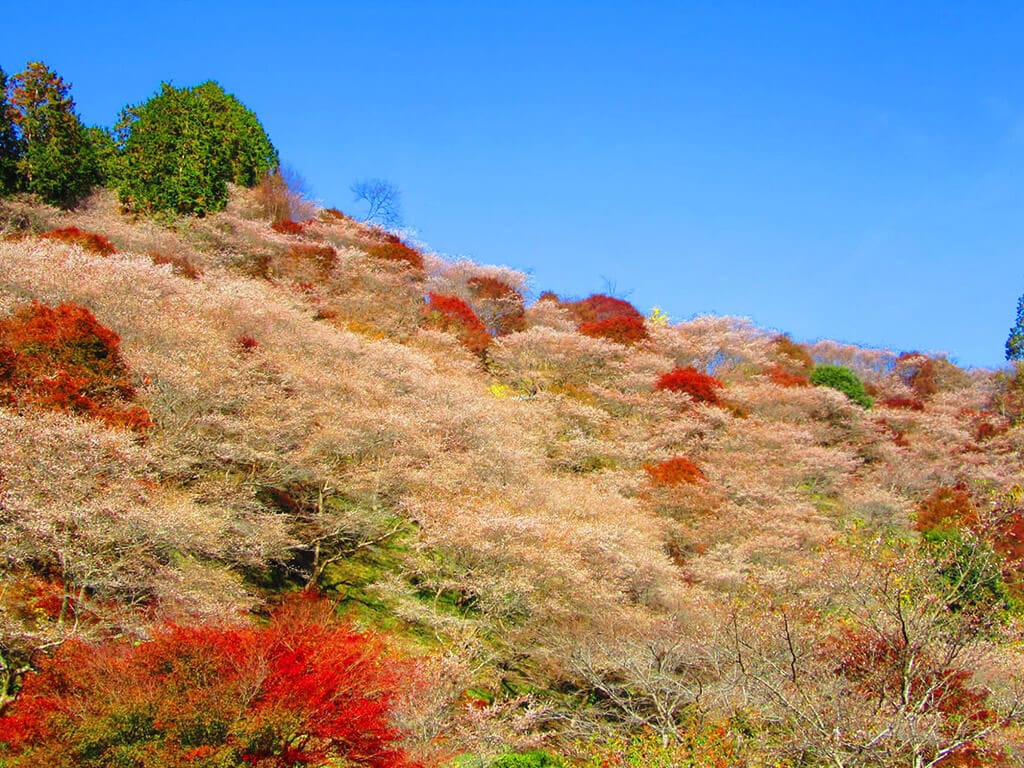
(383, 200)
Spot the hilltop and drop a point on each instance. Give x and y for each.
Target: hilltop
(667, 536)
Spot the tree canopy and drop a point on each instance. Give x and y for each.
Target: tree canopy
(181, 148)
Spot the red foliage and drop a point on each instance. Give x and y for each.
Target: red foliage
(674, 471)
(390, 247)
(884, 668)
(622, 329)
(610, 318)
(303, 689)
(287, 227)
(500, 306)
(783, 378)
(247, 343)
(947, 507)
(906, 403)
(89, 241)
(61, 358)
(700, 386)
(452, 314)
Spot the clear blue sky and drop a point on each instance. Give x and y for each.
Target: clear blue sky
(844, 170)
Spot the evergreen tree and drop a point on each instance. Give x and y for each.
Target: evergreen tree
(1015, 341)
(10, 146)
(181, 148)
(58, 162)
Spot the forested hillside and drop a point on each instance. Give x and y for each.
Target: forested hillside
(280, 488)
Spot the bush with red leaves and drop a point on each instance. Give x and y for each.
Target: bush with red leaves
(700, 386)
(784, 378)
(499, 306)
(606, 317)
(302, 690)
(389, 247)
(906, 403)
(61, 358)
(452, 314)
(88, 241)
(287, 227)
(674, 471)
(947, 508)
(181, 265)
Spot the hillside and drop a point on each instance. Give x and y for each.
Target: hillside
(617, 539)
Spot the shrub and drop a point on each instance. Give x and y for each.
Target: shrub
(793, 357)
(499, 306)
(842, 379)
(700, 386)
(389, 247)
(607, 317)
(307, 262)
(452, 314)
(905, 403)
(61, 358)
(947, 507)
(182, 265)
(181, 148)
(303, 689)
(287, 227)
(623, 329)
(534, 759)
(88, 241)
(674, 471)
(247, 344)
(784, 378)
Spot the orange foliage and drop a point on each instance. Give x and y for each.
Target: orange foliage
(623, 329)
(794, 358)
(389, 247)
(301, 690)
(89, 241)
(287, 227)
(783, 378)
(452, 314)
(62, 359)
(947, 507)
(700, 386)
(674, 471)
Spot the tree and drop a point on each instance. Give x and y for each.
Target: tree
(181, 148)
(10, 146)
(383, 200)
(58, 162)
(1015, 341)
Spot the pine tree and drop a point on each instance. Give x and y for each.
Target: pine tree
(181, 148)
(58, 162)
(1015, 341)
(10, 146)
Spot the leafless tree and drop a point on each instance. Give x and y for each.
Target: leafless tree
(383, 200)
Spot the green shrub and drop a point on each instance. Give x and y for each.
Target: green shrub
(841, 378)
(181, 148)
(534, 759)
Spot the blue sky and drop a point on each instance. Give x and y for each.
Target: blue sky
(842, 170)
